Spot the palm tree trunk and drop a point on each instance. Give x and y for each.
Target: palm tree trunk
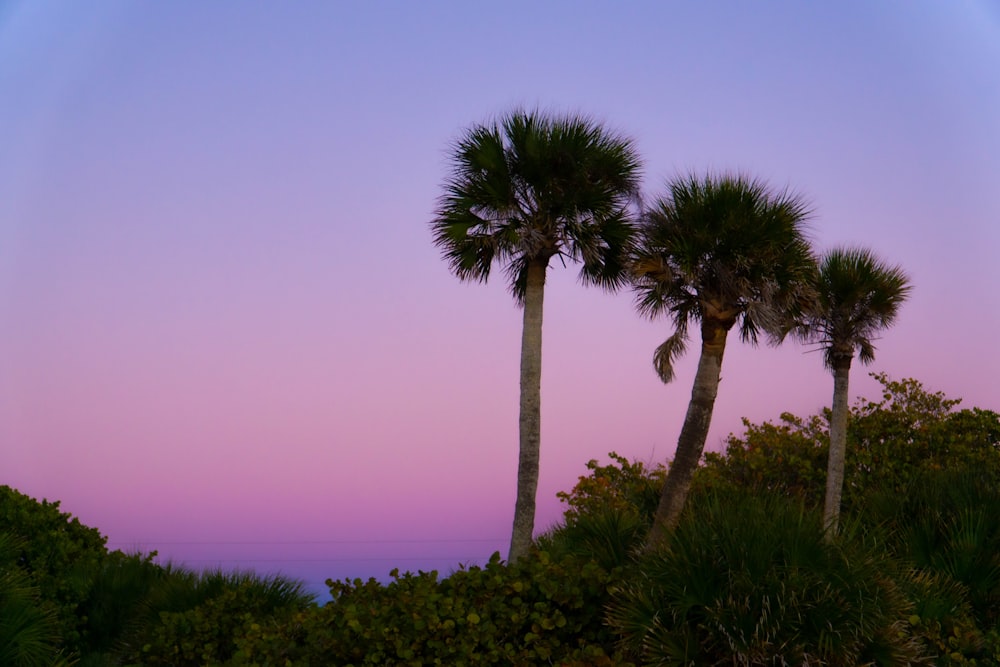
(530, 420)
(838, 447)
(694, 432)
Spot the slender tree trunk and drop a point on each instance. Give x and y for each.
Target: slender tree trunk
(530, 420)
(691, 442)
(838, 447)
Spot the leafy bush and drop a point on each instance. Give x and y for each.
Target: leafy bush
(894, 441)
(116, 607)
(787, 458)
(29, 627)
(890, 444)
(197, 619)
(538, 611)
(749, 580)
(947, 523)
(619, 487)
(57, 553)
(608, 537)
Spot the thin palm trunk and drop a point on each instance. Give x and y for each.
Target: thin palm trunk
(838, 448)
(694, 432)
(530, 420)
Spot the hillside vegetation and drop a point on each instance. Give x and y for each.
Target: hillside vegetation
(747, 577)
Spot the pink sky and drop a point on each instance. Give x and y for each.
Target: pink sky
(224, 331)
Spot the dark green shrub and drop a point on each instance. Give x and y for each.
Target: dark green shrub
(750, 580)
(538, 611)
(894, 441)
(29, 627)
(116, 606)
(890, 443)
(619, 487)
(947, 522)
(57, 553)
(787, 458)
(608, 537)
(197, 619)
(942, 618)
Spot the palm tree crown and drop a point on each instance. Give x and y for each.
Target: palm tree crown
(721, 250)
(857, 295)
(531, 187)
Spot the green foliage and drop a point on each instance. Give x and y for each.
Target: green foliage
(537, 611)
(942, 618)
(890, 444)
(948, 524)
(749, 580)
(531, 186)
(893, 441)
(29, 627)
(856, 296)
(116, 604)
(745, 579)
(607, 536)
(722, 250)
(788, 458)
(197, 619)
(57, 553)
(608, 512)
(619, 487)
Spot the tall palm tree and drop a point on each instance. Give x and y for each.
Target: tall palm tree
(722, 251)
(856, 296)
(524, 189)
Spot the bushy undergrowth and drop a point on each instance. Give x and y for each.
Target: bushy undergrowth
(196, 619)
(29, 627)
(750, 580)
(539, 611)
(746, 579)
(57, 554)
(891, 444)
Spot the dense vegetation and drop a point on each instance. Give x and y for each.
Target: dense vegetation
(746, 577)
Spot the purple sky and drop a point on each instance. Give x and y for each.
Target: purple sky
(224, 331)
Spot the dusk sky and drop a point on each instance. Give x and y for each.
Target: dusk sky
(225, 333)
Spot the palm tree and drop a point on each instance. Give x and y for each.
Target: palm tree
(856, 296)
(723, 250)
(522, 190)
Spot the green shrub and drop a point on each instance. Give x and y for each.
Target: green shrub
(750, 580)
(115, 608)
(608, 537)
(538, 611)
(619, 487)
(947, 522)
(787, 458)
(29, 627)
(890, 444)
(197, 619)
(910, 431)
(57, 553)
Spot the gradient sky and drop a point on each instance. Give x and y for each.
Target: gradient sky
(225, 333)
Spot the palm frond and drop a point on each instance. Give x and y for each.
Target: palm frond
(668, 351)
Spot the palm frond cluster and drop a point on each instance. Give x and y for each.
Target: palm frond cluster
(721, 250)
(530, 187)
(857, 295)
